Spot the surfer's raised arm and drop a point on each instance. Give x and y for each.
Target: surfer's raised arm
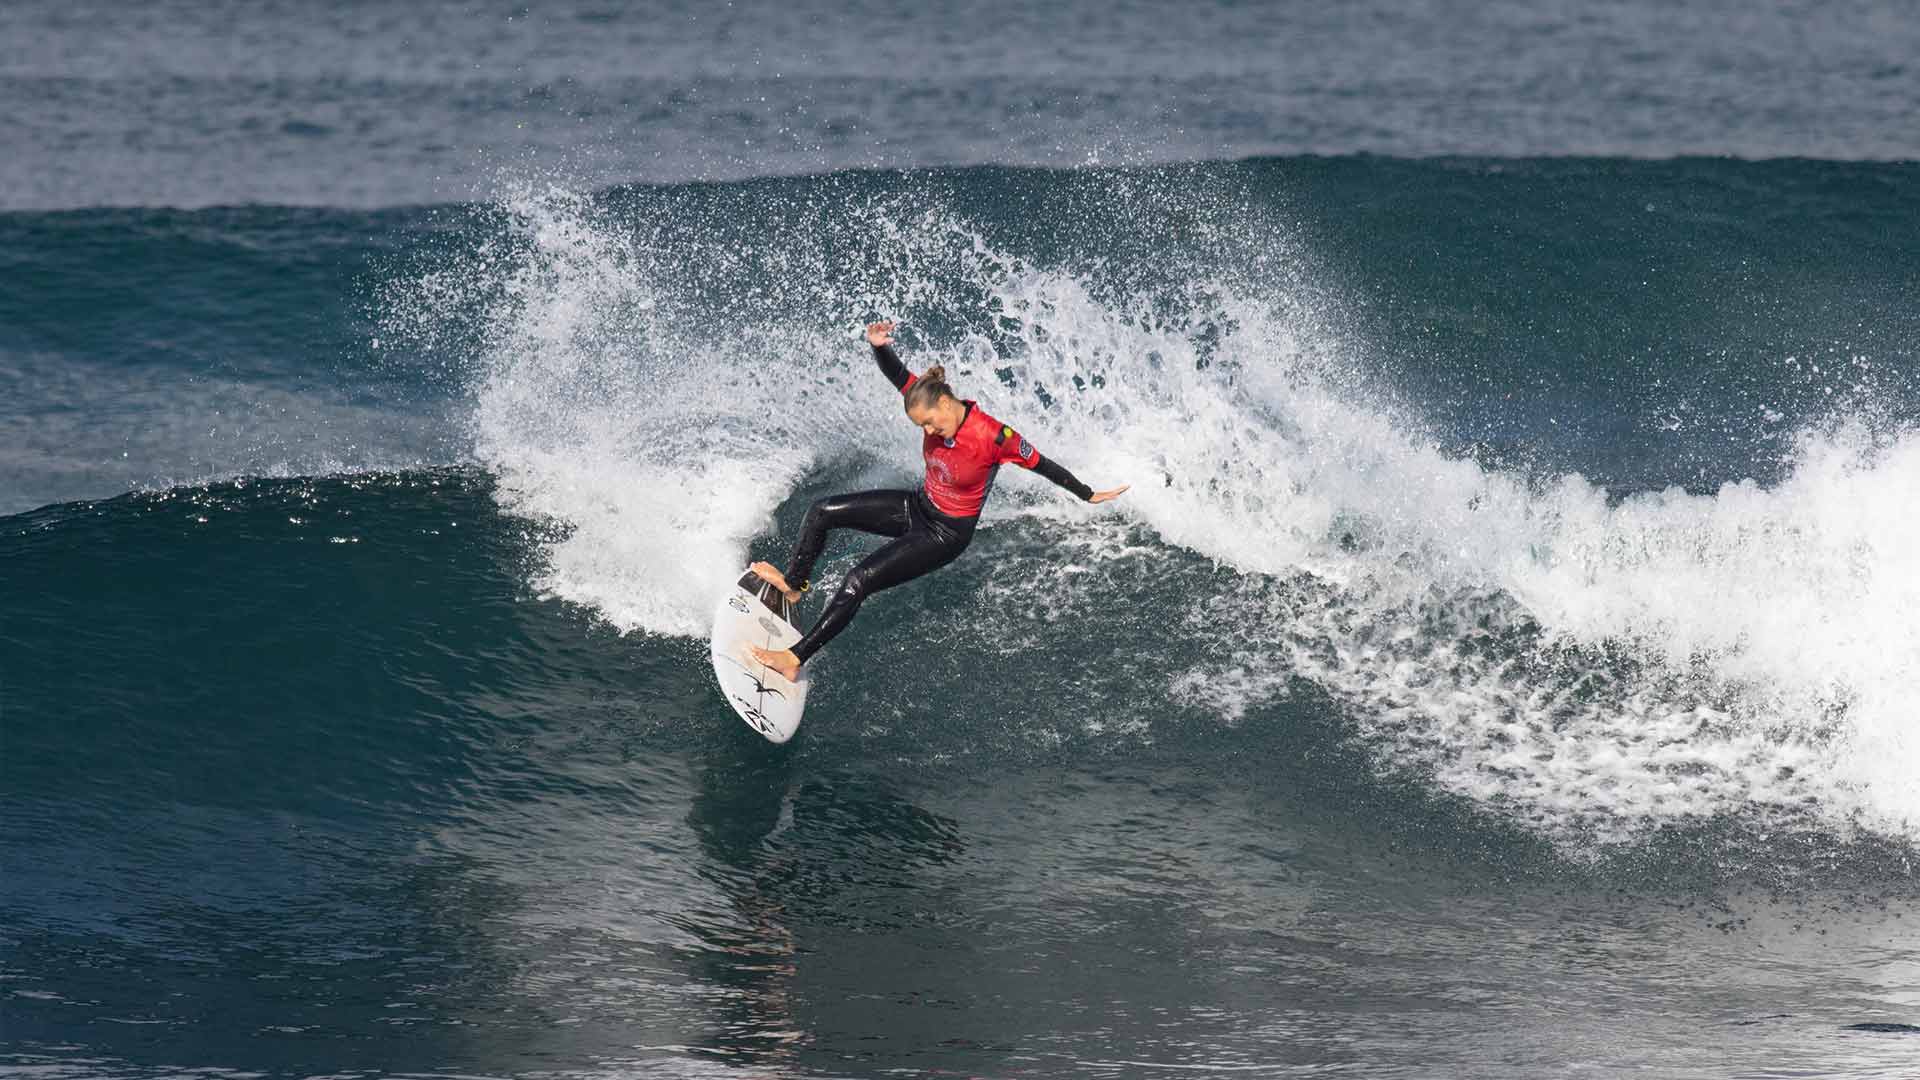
(880, 336)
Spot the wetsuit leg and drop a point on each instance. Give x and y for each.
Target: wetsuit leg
(882, 512)
(918, 552)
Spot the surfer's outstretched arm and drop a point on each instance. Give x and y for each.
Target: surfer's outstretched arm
(1058, 473)
(1012, 447)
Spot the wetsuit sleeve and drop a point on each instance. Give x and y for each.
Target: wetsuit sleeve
(890, 366)
(1011, 446)
(1058, 473)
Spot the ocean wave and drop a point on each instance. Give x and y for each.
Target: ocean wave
(659, 374)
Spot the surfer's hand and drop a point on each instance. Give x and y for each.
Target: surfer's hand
(1109, 496)
(880, 333)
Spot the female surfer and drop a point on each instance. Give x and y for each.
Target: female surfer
(930, 526)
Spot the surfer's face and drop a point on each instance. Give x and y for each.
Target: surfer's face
(941, 420)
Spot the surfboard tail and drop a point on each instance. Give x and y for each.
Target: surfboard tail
(775, 600)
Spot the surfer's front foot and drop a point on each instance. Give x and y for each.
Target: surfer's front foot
(778, 580)
(780, 660)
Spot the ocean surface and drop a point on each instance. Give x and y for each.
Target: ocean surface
(1503, 665)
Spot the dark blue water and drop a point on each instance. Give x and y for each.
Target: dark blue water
(1501, 666)
(348, 105)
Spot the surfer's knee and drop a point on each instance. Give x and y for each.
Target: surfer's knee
(858, 583)
(817, 515)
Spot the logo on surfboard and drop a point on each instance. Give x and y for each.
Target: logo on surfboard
(754, 716)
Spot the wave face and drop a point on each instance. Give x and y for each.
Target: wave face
(1508, 633)
(144, 349)
(220, 104)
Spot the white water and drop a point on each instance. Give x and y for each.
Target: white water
(1591, 669)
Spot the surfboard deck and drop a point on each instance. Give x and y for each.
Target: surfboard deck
(755, 613)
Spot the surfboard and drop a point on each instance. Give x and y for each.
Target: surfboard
(755, 613)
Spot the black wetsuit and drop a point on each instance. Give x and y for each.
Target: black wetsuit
(929, 526)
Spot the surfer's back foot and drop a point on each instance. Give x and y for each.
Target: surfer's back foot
(780, 660)
(778, 580)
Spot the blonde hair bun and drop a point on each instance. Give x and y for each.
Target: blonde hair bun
(929, 389)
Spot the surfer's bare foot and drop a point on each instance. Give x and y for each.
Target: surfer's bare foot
(782, 661)
(778, 580)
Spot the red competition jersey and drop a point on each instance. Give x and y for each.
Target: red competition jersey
(960, 470)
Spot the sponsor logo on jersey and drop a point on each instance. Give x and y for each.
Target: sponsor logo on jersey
(1026, 449)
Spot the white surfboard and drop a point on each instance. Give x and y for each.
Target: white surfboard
(755, 613)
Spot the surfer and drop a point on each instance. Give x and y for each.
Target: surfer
(931, 525)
